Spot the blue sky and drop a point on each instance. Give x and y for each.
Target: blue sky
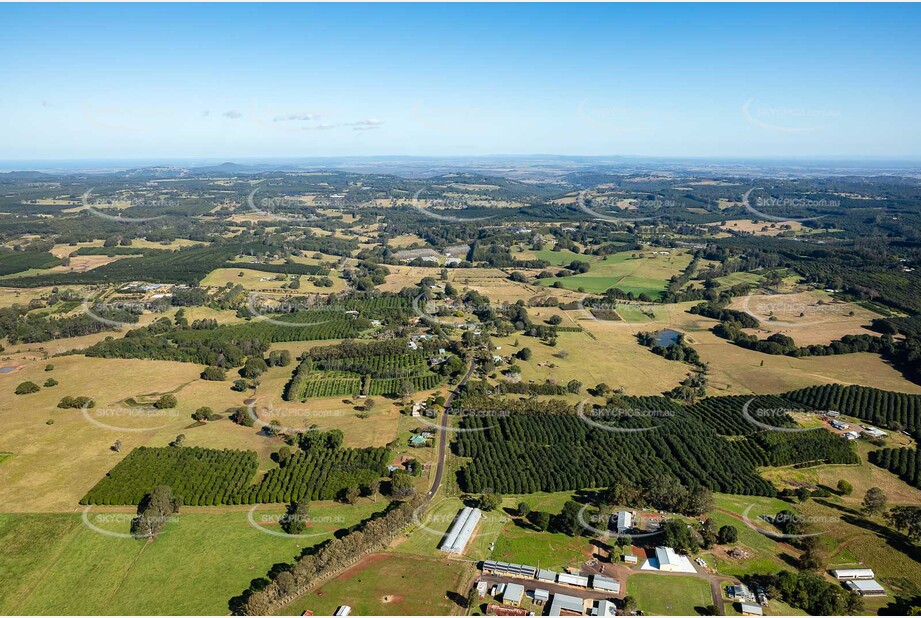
(231, 81)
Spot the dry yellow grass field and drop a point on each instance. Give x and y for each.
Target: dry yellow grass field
(21, 296)
(810, 317)
(53, 465)
(96, 204)
(83, 263)
(177, 243)
(614, 358)
(226, 316)
(378, 429)
(407, 276)
(495, 284)
(735, 370)
(61, 251)
(259, 281)
(862, 477)
(405, 240)
(758, 228)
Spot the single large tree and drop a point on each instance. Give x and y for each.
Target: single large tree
(907, 518)
(490, 502)
(294, 521)
(727, 534)
(154, 512)
(874, 501)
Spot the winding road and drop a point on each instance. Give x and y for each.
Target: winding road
(443, 434)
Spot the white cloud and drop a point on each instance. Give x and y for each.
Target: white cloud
(368, 124)
(232, 114)
(292, 117)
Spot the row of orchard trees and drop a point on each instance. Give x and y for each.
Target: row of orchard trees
(350, 368)
(328, 559)
(555, 447)
(381, 365)
(726, 415)
(395, 386)
(903, 462)
(199, 476)
(226, 345)
(319, 474)
(530, 452)
(896, 411)
(800, 448)
(209, 477)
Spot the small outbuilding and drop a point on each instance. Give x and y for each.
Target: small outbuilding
(512, 594)
(865, 587)
(843, 574)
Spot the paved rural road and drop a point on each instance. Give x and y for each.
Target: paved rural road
(443, 434)
(716, 591)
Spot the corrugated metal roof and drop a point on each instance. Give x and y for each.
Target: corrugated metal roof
(605, 583)
(522, 570)
(853, 573)
(574, 580)
(461, 530)
(864, 585)
(513, 593)
(565, 602)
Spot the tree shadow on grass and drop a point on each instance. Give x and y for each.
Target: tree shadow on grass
(894, 539)
(837, 507)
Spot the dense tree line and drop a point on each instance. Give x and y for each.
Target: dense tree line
(799, 448)
(709, 293)
(117, 250)
(910, 326)
(679, 281)
(811, 593)
(499, 256)
(718, 312)
(779, 344)
(664, 493)
(526, 388)
(37, 329)
(18, 261)
(317, 564)
(290, 267)
(227, 345)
